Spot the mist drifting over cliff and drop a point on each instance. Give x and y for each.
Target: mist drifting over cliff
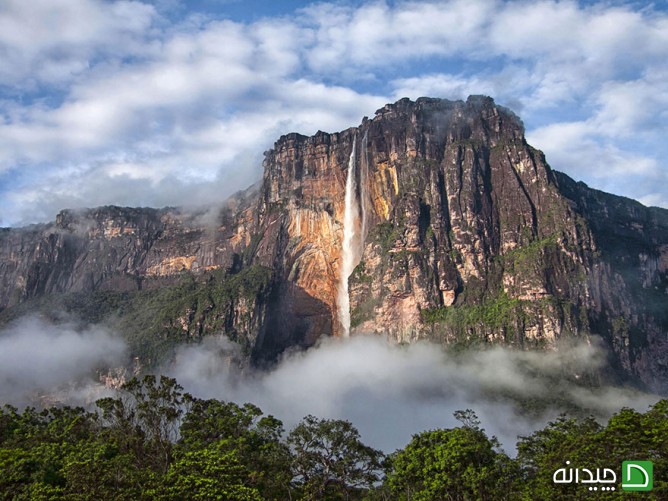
(41, 362)
(388, 391)
(392, 391)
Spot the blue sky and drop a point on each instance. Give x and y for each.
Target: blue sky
(169, 102)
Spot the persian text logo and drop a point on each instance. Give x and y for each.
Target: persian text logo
(637, 475)
(586, 476)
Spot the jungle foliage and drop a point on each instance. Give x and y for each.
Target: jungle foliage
(154, 441)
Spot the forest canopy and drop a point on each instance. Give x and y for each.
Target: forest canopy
(154, 441)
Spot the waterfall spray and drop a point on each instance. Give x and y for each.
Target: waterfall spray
(350, 252)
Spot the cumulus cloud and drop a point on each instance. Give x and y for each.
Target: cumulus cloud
(633, 108)
(164, 100)
(53, 41)
(579, 150)
(390, 392)
(39, 359)
(375, 33)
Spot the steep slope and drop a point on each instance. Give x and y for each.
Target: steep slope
(457, 229)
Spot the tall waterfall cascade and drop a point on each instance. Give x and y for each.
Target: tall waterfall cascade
(364, 176)
(354, 227)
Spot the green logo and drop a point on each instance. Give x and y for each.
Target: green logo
(637, 476)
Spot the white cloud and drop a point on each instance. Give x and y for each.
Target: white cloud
(507, 85)
(448, 86)
(38, 358)
(52, 41)
(634, 108)
(390, 392)
(654, 199)
(375, 34)
(211, 98)
(133, 99)
(576, 149)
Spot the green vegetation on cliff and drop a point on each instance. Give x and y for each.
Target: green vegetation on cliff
(500, 311)
(154, 320)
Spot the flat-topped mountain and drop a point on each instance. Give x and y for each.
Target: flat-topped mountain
(432, 220)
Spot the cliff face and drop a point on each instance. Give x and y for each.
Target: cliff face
(120, 248)
(448, 189)
(467, 236)
(461, 233)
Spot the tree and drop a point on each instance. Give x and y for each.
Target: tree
(628, 435)
(254, 440)
(33, 454)
(468, 418)
(330, 461)
(453, 464)
(214, 472)
(144, 421)
(544, 451)
(98, 469)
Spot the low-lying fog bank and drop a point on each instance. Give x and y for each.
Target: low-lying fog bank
(388, 391)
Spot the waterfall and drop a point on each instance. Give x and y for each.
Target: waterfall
(350, 253)
(364, 176)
